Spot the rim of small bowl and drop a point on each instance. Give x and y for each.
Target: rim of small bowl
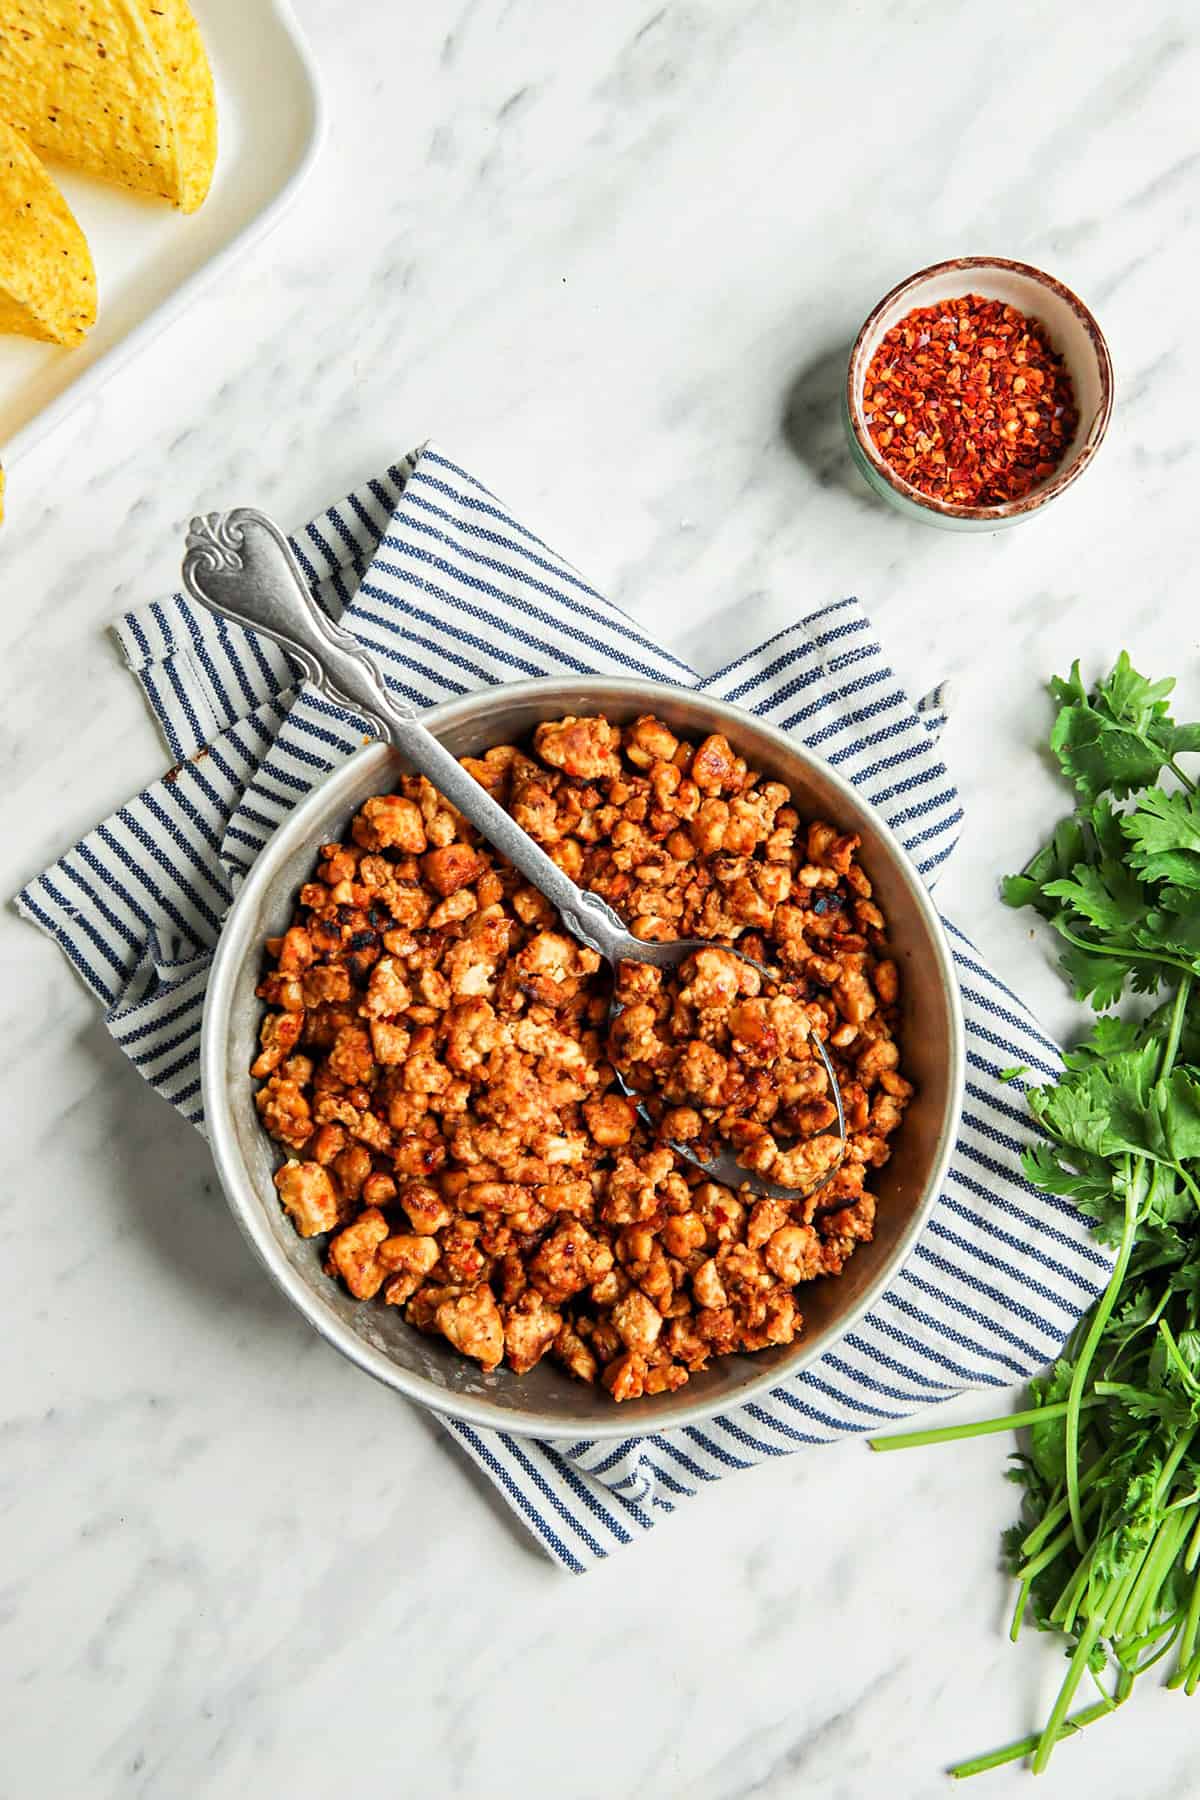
(245, 1201)
(1054, 485)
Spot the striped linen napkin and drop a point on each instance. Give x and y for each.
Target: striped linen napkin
(429, 569)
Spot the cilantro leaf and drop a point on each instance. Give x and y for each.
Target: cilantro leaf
(1056, 858)
(1188, 1343)
(1108, 1037)
(1182, 738)
(1117, 1106)
(1136, 1309)
(1186, 1280)
(1087, 1180)
(1171, 933)
(1098, 755)
(1077, 1112)
(1164, 830)
(1099, 904)
(1093, 976)
(1047, 1439)
(1068, 690)
(1112, 901)
(1168, 1202)
(1119, 736)
(1128, 698)
(1125, 1542)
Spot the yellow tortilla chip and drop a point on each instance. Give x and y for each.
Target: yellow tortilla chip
(176, 37)
(47, 282)
(121, 88)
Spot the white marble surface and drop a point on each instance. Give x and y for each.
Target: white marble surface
(612, 257)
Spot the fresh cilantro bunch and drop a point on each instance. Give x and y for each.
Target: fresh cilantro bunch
(1107, 1552)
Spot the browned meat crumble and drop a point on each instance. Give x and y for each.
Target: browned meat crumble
(434, 1059)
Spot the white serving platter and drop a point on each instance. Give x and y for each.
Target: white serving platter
(150, 260)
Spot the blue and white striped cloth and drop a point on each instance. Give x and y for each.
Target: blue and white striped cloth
(431, 570)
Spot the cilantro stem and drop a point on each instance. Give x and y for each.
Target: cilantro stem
(1187, 1643)
(1055, 1547)
(1014, 1630)
(1072, 1596)
(1135, 1190)
(1181, 1447)
(1123, 951)
(1175, 1028)
(1149, 1577)
(1112, 1597)
(1132, 1646)
(1053, 1517)
(1175, 1359)
(1173, 1632)
(1080, 1656)
(1165, 1556)
(995, 1759)
(1188, 1183)
(1141, 1576)
(1045, 1555)
(1147, 1323)
(949, 1434)
(1192, 1554)
(1180, 776)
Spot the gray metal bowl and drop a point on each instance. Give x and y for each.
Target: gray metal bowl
(547, 1402)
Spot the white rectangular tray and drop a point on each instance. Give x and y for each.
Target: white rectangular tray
(151, 260)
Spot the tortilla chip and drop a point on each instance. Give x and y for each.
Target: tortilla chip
(121, 88)
(47, 282)
(189, 84)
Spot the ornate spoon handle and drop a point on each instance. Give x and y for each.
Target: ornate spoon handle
(239, 564)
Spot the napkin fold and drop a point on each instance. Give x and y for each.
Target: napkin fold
(432, 572)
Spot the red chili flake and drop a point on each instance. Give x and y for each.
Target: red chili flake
(969, 402)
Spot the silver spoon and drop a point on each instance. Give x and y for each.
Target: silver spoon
(240, 565)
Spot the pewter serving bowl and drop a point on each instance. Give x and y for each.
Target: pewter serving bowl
(547, 1402)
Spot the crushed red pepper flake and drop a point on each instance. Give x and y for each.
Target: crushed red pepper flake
(969, 402)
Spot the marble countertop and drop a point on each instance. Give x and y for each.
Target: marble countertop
(612, 257)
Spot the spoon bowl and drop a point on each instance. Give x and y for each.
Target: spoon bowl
(725, 1167)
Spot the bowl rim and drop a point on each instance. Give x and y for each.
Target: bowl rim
(245, 1204)
(1007, 509)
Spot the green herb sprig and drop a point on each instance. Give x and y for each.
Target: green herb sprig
(1107, 1550)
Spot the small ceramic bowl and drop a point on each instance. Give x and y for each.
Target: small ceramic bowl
(1072, 331)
